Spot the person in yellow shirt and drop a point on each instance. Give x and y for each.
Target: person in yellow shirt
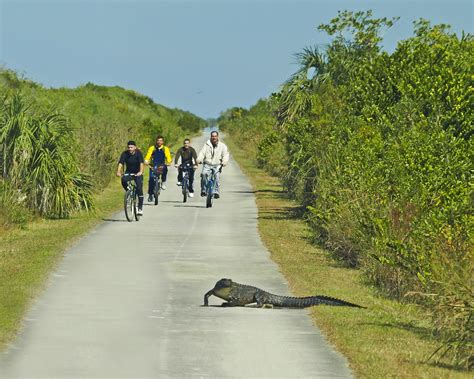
(157, 155)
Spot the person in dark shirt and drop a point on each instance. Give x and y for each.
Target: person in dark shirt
(188, 156)
(132, 159)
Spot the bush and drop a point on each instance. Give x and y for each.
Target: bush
(12, 212)
(378, 148)
(38, 160)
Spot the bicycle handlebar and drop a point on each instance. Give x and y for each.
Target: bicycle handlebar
(217, 167)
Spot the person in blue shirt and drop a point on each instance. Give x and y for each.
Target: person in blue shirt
(157, 155)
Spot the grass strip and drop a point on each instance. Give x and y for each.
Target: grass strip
(387, 340)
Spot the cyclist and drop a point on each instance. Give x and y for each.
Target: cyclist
(188, 156)
(159, 155)
(132, 158)
(212, 153)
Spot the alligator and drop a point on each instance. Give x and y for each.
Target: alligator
(241, 295)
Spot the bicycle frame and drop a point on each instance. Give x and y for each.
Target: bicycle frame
(211, 185)
(211, 182)
(185, 181)
(130, 199)
(156, 173)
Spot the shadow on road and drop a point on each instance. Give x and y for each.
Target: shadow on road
(251, 306)
(259, 191)
(270, 191)
(190, 206)
(113, 220)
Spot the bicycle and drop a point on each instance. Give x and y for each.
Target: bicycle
(130, 200)
(211, 184)
(157, 171)
(185, 181)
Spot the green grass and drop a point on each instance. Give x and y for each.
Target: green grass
(388, 339)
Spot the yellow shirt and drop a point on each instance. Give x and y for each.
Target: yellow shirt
(166, 150)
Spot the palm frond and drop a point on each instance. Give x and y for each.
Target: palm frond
(37, 152)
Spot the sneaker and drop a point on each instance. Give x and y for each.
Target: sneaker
(216, 196)
(178, 184)
(191, 194)
(150, 198)
(140, 212)
(163, 186)
(203, 194)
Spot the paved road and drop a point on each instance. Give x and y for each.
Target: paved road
(126, 301)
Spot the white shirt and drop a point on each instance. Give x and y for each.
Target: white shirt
(214, 155)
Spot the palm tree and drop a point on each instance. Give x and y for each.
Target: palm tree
(297, 92)
(13, 123)
(38, 159)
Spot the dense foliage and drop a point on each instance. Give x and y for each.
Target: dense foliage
(59, 146)
(378, 149)
(37, 160)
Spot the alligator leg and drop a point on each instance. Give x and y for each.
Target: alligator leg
(263, 301)
(206, 297)
(260, 300)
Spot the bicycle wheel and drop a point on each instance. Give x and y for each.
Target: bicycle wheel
(209, 200)
(128, 206)
(185, 190)
(135, 208)
(210, 194)
(157, 189)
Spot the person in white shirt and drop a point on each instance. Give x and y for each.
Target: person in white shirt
(212, 154)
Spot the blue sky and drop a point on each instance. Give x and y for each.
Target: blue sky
(202, 56)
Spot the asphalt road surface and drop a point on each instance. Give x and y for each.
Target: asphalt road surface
(126, 301)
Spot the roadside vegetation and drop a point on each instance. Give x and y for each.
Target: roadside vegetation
(389, 339)
(376, 149)
(58, 154)
(60, 146)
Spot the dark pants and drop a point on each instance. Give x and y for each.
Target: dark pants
(139, 183)
(151, 179)
(191, 177)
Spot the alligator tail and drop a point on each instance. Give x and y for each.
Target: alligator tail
(303, 302)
